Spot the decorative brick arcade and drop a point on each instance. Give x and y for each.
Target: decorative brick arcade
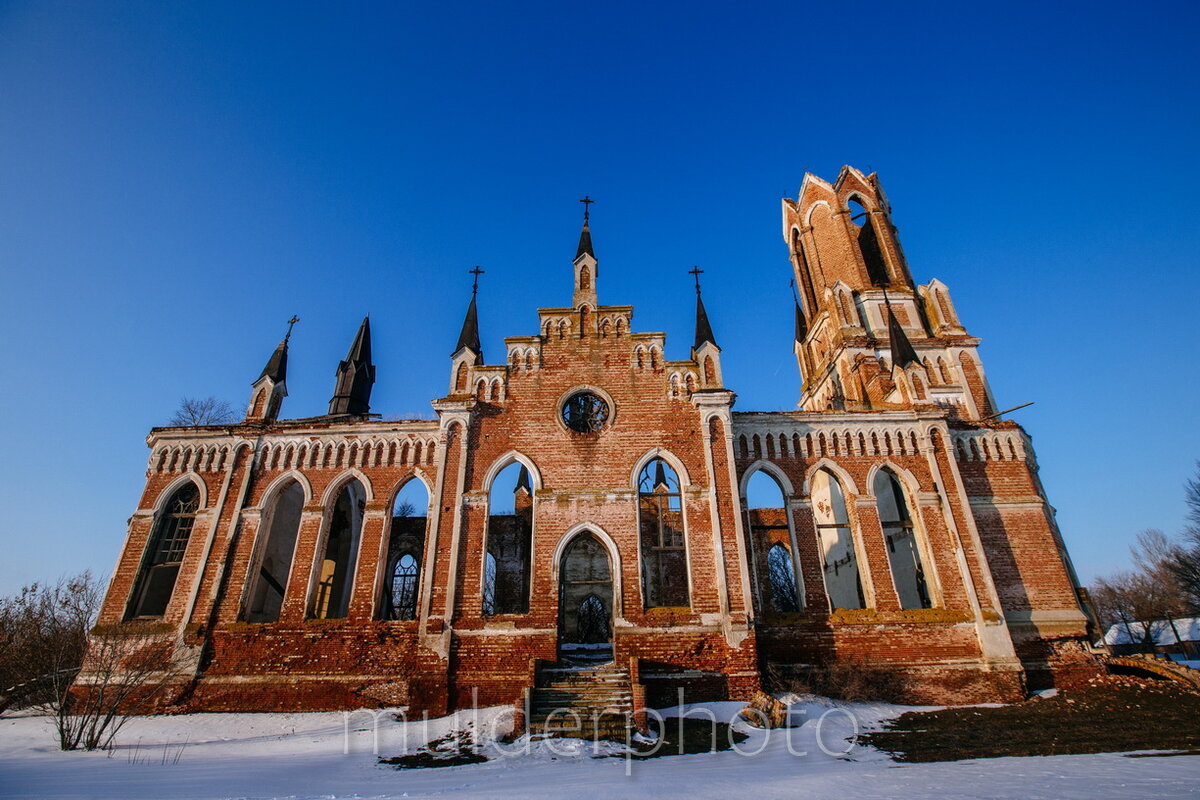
(587, 495)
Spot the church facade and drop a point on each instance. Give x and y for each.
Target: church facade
(587, 500)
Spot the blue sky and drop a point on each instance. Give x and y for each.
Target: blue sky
(179, 179)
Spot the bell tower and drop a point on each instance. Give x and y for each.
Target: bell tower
(868, 337)
(585, 265)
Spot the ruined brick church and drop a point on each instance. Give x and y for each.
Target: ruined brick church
(585, 500)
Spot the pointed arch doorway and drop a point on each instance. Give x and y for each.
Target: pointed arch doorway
(585, 602)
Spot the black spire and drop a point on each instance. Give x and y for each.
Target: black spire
(903, 353)
(355, 376)
(276, 368)
(585, 243)
(660, 477)
(703, 329)
(470, 330)
(469, 337)
(585, 236)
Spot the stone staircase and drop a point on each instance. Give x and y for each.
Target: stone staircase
(585, 655)
(584, 695)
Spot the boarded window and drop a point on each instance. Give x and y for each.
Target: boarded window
(509, 539)
(331, 600)
(664, 552)
(842, 580)
(160, 566)
(904, 552)
(269, 584)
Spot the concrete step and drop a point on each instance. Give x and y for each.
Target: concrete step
(561, 695)
(615, 733)
(585, 680)
(577, 697)
(582, 686)
(583, 709)
(568, 715)
(557, 725)
(584, 691)
(602, 669)
(609, 688)
(573, 701)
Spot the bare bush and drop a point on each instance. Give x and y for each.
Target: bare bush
(85, 684)
(127, 670)
(203, 411)
(43, 636)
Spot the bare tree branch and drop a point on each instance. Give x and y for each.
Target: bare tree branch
(1185, 561)
(87, 685)
(203, 411)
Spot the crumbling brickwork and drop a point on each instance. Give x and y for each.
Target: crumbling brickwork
(928, 514)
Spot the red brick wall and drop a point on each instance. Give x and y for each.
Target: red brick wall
(990, 546)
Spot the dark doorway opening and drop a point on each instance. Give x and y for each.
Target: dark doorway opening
(585, 602)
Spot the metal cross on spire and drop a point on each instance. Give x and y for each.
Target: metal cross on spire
(475, 283)
(696, 272)
(291, 323)
(587, 202)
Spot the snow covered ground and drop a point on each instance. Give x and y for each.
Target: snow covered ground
(312, 756)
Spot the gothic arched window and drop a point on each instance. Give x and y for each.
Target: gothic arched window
(663, 546)
(509, 543)
(331, 598)
(404, 587)
(868, 244)
(801, 261)
(160, 565)
(278, 534)
(903, 547)
(843, 583)
(767, 521)
(406, 544)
